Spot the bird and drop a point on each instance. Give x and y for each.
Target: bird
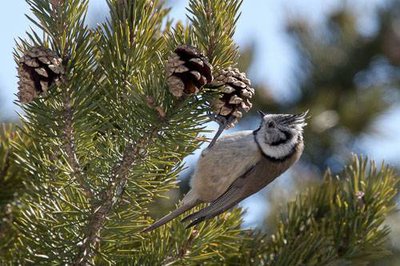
(239, 165)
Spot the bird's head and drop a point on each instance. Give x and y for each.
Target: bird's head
(279, 134)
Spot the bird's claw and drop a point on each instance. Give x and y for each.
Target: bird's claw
(223, 122)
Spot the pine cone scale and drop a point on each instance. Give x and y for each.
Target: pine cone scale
(38, 69)
(186, 52)
(44, 60)
(42, 72)
(235, 96)
(31, 62)
(187, 71)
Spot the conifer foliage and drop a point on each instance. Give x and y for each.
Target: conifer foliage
(11, 189)
(97, 148)
(111, 137)
(338, 222)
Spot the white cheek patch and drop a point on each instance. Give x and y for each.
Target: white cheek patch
(299, 127)
(278, 151)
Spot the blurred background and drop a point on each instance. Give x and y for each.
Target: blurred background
(339, 59)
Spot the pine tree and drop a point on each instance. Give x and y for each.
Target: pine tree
(106, 137)
(110, 137)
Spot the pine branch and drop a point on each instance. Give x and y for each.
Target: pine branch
(60, 127)
(214, 23)
(215, 243)
(339, 221)
(109, 198)
(134, 154)
(70, 148)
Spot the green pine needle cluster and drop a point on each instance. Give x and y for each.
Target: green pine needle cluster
(338, 222)
(12, 180)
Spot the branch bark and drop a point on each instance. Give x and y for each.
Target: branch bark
(70, 149)
(133, 154)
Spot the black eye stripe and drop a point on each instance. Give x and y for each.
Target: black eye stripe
(288, 137)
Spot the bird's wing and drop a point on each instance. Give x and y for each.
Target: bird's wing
(220, 166)
(247, 184)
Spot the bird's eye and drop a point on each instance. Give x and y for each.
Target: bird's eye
(270, 124)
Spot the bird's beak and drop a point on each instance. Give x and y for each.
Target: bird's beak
(261, 114)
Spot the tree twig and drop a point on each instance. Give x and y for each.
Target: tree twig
(133, 153)
(70, 149)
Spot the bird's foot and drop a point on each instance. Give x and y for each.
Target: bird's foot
(223, 122)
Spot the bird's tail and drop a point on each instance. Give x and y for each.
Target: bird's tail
(188, 202)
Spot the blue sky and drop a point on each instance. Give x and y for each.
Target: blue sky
(261, 23)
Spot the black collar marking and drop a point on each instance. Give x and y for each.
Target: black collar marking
(270, 158)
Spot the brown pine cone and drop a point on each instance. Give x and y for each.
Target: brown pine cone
(188, 71)
(38, 69)
(235, 94)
